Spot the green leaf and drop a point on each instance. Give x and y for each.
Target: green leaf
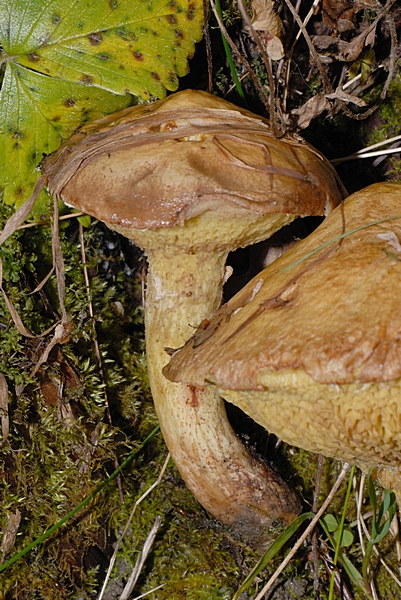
(85, 220)
(69, 61)
(330, 522)
(135, 46)
(388, 507)
(347, 537)
(351, 570)
(36, 114)
(272, 551)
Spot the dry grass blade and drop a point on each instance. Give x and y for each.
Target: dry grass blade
(10, 533)
(5, 422)
(23, 212)
(306, 533)
(149, 592)
(141, 559)
(61, 335)
(63, 329)
(42, 284)
(128, 523)
(266, 60)
(244, 62)
(46, 222)
(58, 263)
(327, 85)
(315, 504)
(97, 349)
(370, 151)
(14, 314)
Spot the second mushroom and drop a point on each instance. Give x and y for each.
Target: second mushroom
(311, 347)
(190, 179)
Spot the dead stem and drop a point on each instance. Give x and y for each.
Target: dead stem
(267, 64)
(141, 559)
(327, 85)
(97, 350)
(128, 523)
(242, 60)
(315, 503)
(208, 46)
(306, 533)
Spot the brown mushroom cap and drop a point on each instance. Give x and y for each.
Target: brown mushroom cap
(311, 347)
(158, 165)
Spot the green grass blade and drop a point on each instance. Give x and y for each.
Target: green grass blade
(84, 502)
(352, 572)
(230, 60)
(337, 239)
(340, 530)
(272, 551)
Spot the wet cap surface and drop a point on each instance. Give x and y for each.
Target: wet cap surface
(158, 165)
(335, 315)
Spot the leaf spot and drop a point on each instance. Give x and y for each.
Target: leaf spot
(34, 57)
(69, 102)
(42, 41)
(55, 18)
(113, 4)
(171, 19)
(191, 12)
(138, 55)
(95, 38)
(87, 79)
(127, 35)
(155, 76)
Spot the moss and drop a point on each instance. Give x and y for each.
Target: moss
(55, 456)
(387, 124)
(49, 464)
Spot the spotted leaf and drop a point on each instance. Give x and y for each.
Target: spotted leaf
(69, 61)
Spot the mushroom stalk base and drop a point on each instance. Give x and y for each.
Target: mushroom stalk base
(234, 486)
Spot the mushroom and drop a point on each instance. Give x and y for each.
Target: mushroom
(189, 179)
(311, 347)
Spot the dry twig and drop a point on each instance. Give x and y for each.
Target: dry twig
(128, 523)
(306, 533)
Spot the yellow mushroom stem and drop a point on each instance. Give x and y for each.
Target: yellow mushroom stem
(184, 287)
(235, 487)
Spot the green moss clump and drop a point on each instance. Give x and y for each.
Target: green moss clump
(388, 125)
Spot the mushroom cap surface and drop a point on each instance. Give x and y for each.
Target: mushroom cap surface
(311, 347)
(154, 166)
